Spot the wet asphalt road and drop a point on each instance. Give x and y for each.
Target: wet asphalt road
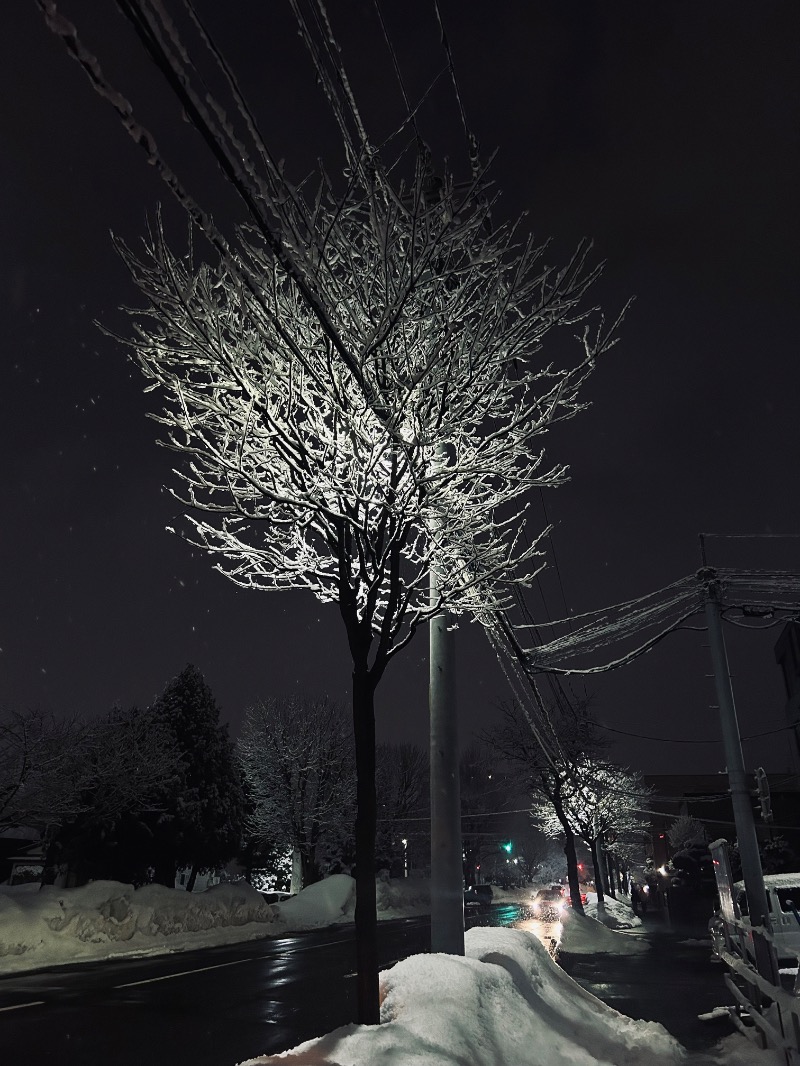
(223, 1005)
(213, 1007)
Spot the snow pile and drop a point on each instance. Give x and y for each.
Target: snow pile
(326, 902)
(403, 897)
(106, 918)
(582, 935)
(522, 896)
(506, 1003)
(618, 913)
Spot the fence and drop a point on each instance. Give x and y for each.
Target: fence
(773, 1009)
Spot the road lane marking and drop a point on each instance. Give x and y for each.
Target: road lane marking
(19, 1006)
(221, 965)
(200, 969)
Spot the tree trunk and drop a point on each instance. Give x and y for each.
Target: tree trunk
(598, 870)
(192, 878)
(571, 856)
(366, 917)
(297, 872)
(164, 870)
(611, 875)
(52, 864)
(309, 867)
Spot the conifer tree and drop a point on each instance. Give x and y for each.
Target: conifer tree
(203, 801)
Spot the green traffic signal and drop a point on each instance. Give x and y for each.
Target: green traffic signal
(508, 847)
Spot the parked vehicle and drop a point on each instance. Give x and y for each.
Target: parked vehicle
(783, 900)
(481, 894)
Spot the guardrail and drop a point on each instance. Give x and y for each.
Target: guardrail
(773, 1009)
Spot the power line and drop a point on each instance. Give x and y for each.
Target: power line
(673, 740)
(660, 740)
(753, 536)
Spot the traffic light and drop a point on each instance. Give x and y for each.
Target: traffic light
(508, 847)
(763, 794)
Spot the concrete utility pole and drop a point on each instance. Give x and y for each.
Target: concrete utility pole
(447, 876)
(752, 872)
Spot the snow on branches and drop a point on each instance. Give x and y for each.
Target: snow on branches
(353, 476)
(601, 801)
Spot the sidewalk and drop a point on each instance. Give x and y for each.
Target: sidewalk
(671, 984)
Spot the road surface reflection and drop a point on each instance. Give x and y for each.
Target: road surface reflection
(548, 932)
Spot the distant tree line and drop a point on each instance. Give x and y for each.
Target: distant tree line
(138, 794)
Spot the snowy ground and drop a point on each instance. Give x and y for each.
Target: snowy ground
(506, 1003)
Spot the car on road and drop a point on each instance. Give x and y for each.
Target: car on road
(584, 898)
(481, 894)
(548, 904)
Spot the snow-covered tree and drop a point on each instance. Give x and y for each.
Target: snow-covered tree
(297, 756)
(601, 803)
(549, 766)
(42, 769)
(686, 832)
(83, 786)
(105, 831)
(352, 478)
(201, 805)
(356, 384)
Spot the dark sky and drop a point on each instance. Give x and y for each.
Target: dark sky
(667, 132)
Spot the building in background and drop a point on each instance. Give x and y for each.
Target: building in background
(787, 655)
(707, 798)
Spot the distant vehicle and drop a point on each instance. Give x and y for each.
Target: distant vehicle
(481, 894)
(565, 893)
(275, 897)
(549, 904)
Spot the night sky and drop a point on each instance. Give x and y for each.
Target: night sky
(666, 132)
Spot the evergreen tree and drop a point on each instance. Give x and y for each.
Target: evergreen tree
(203, 800)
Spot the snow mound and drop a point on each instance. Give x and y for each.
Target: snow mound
(618, 912)
(60, 925)
(403, 896)
(326, 902)
(582, 935)
(505, 1002)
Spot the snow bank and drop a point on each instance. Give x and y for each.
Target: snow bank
(106, 918)
(404, 897)
(618, 912)
(326, 902)
(582, 935)
(506, 1002)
